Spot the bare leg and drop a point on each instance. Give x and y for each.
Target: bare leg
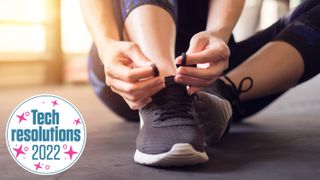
(274, 68)
(153, 29)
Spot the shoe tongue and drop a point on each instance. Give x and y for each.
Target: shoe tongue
(173, 90)
(175, 103)
(169, 81)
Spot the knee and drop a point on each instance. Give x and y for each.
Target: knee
(128, 5)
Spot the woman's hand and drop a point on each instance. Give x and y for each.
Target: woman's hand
(129, 73)
(205, 48)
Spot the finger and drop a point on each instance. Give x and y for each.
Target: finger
(209, 73)
(152, 91)
(138, 105)
(133, 104)
(125, 73)
(205, 56)
(122, 94)
(192, 81)
(197, 44)
(139, 95)
(144, 102)
(134, 87)
(136, 55)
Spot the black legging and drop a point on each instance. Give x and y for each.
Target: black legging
(300, 28)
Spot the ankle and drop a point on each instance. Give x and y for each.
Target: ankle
(166, 67)
(240, 87)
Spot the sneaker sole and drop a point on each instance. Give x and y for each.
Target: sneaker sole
(215, 117)
(181, 154)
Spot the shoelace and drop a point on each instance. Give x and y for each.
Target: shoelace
(238, 90)
(174, 102)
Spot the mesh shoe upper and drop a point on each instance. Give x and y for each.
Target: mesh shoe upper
(218, 106)
(230, 93)
(169, 119)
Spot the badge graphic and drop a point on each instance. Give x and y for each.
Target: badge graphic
(46, 134)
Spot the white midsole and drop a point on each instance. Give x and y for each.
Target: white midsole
(141, 120)
(179, 154)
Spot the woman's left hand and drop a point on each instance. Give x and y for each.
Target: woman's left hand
(205, 48)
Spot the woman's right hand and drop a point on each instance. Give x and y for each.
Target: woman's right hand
(129, 73)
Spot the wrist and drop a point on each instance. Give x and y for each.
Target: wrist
(222, 33)
(102, 45)
(103, 40)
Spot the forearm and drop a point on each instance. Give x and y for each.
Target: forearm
(100, 18)
(223, 16)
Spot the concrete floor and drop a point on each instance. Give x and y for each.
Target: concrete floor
(282, 142)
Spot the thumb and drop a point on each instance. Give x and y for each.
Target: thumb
(138, 58)
(197, 44)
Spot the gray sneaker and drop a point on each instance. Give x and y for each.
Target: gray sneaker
(218, 106)
(215, 114)
(169, 131)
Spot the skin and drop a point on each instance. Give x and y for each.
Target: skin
(127, 69)
(276, 67)
(210, 46)
(143, 27)
(127, 63)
